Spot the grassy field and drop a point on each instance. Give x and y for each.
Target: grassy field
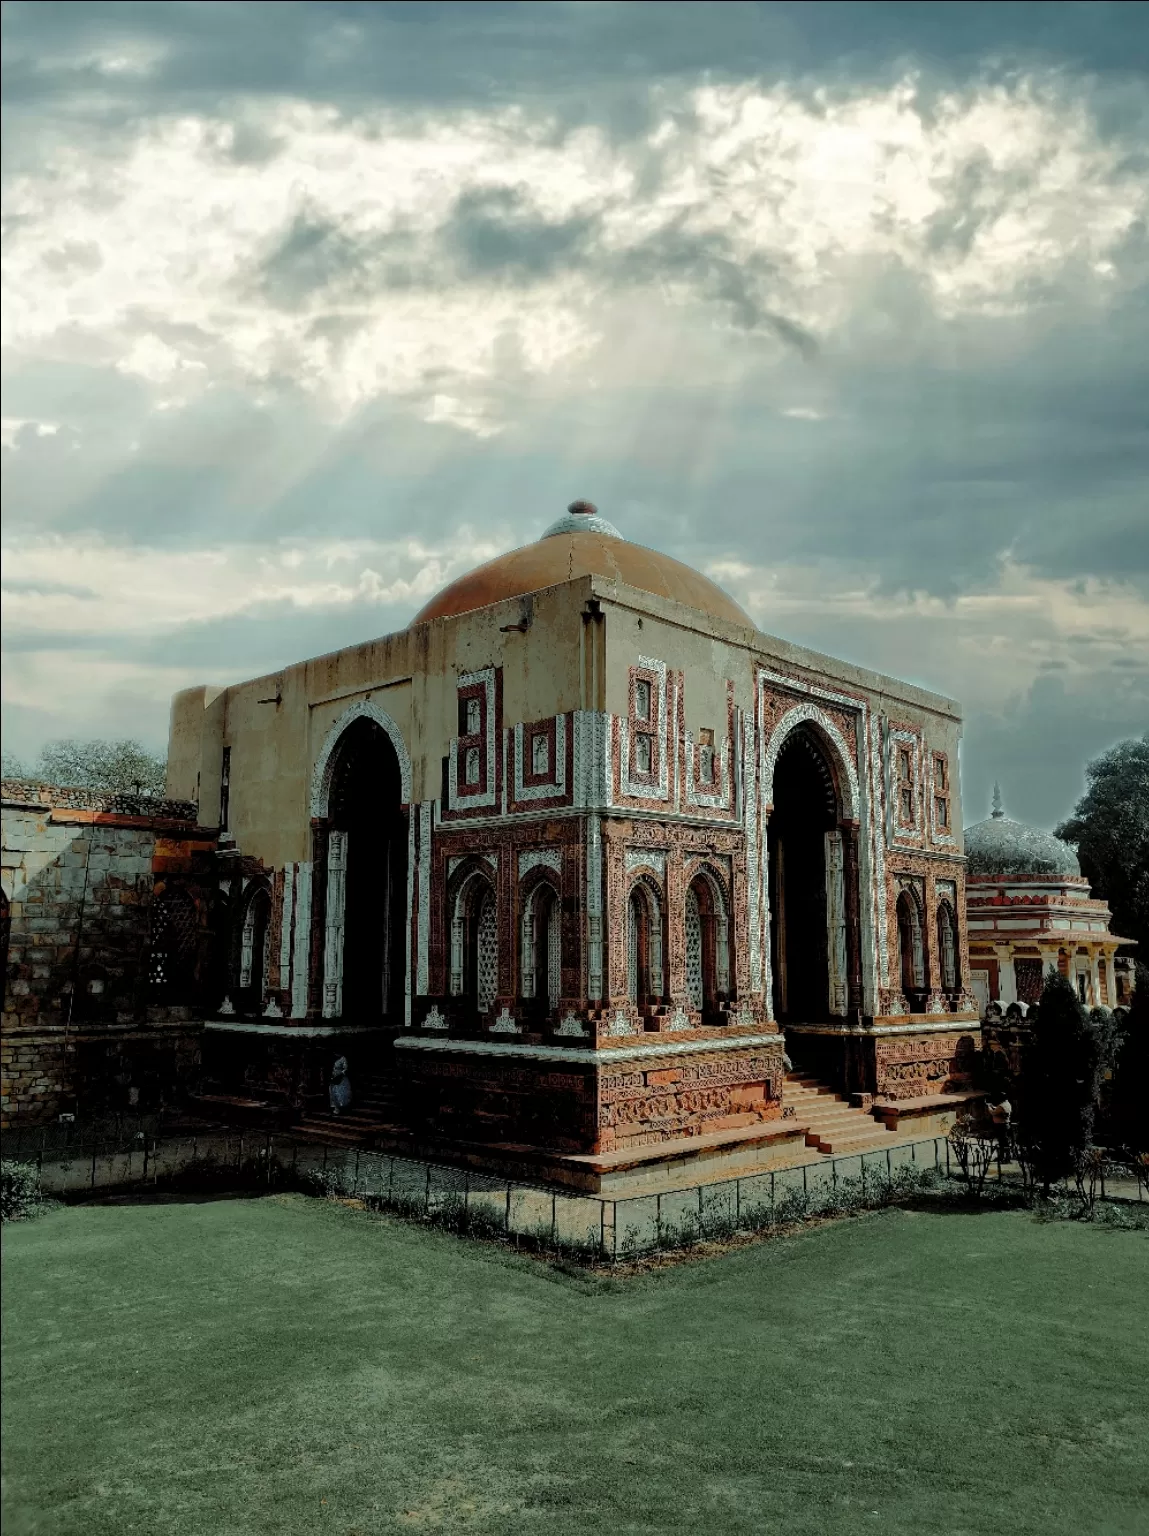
(286, 1366)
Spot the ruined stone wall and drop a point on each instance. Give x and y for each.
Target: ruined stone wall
(79, 878)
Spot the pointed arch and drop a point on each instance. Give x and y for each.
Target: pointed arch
(360, 794)
(949, 948)
(473, 913)
(541, 945)
(832, 742)
(911, 948)
(255, 945)
(325, 763)
(645, 931)
(707, 929)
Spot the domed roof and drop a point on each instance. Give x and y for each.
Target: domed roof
(1001, 846)
(582, 544)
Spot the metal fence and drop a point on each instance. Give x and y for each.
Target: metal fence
(566, 1221)
(588, 1226)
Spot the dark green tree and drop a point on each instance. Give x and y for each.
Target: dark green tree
(1061, 1082)
(1127, 1116)
(1110, 829)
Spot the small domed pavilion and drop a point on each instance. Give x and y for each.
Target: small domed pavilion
(1029, 908)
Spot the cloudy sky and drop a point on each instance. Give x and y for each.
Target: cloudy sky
(309, 307)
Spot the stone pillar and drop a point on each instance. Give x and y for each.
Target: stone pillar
(507, 908)
(674, 953)
(761, 938)
(853, 920)
(334, 915)
(319, 837)
(1006, 978)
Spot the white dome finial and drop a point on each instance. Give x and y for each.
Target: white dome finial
(997, 810)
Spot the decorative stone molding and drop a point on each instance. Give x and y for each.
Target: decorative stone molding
(456, 859)
(680, 1020)
(226, 1008)
(810, 714)
(571, 1028)
(273, 1010)
(551, 858)
(505, 1024)
(645, 858)
(621, 1023)
(529, 784)
(486, 792)
(435, 1019)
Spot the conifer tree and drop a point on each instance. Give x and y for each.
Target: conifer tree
(1062, 1076)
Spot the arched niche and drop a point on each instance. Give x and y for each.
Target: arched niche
(707, 941)
(254, 948)
(473, 907)
(540, 946)
(911, 949)
(645, 977)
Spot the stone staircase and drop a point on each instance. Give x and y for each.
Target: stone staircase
(832, 1126)
(374, 1112)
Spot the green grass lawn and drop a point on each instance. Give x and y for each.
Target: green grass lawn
(284, 1365)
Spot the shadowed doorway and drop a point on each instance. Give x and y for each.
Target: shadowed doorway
(368, 835)
(802, 823)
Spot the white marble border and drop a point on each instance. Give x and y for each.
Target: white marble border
(588, 1055)
(490, 798)
(641, 791)
(531, 859)
(325, 763)
(551, 791)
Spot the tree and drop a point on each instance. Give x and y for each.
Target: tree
(1110, 828)
(1061, 1082)
(1128, 1107)
(123, 766)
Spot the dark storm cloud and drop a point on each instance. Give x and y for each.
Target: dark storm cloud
(580, 56)
(496, 230)
(1037, 749)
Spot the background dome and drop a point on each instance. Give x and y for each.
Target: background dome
(582, 544)
(1001, 846)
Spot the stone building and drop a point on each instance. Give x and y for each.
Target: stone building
(107, 920)
(1029, 908)
(565, 866)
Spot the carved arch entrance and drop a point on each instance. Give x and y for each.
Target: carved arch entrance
(814, 897)
(365, 914)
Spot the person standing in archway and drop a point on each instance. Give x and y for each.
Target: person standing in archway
(339, 1089)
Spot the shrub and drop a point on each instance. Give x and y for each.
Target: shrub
(1062, 1082)
(975, 1153)
(19, 1191)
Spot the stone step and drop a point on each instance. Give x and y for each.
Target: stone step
(839, 1125)
(834, 1126)
(839, 1146)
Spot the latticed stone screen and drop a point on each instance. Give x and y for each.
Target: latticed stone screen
(170, 962)
(693, 951)
(488, 956)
